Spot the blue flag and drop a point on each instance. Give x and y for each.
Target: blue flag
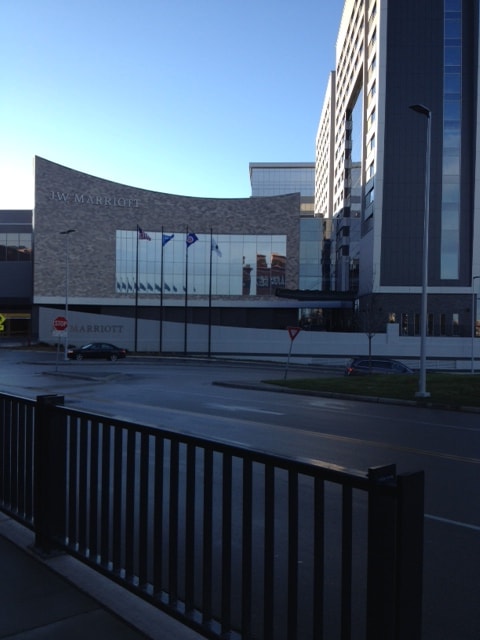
(166, 238)
(191, 238)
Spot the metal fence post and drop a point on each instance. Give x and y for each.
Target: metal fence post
(410, 555)
(49, 482)
(381, 554)
(395, 555)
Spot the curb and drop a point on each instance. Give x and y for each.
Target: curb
(421, 404)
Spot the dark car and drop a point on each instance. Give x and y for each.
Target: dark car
(364, 366)
(98, 350)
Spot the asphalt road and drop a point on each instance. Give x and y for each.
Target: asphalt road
(180, 395)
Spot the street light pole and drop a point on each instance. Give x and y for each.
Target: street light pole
(422, 392)
(474, 320)
(67, 234)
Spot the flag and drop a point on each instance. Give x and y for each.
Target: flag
(215, 248)
(191, 238)
(142, 235)
(166, 238)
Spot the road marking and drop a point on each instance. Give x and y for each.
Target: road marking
(396, 447)
(345, 406)
(232, 407)
(456, 523)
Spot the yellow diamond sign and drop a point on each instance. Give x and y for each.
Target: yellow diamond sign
(2, 322)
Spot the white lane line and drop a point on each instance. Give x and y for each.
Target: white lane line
(232, 407)
(455, 523)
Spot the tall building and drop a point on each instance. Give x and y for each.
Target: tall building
(281, 178)
(318, 309)
(391, 56)
(16, 273)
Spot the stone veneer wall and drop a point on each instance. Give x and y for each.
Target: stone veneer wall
(96, 208)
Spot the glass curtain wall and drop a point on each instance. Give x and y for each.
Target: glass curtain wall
(452, 106)
(228, 265)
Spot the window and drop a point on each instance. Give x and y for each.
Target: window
(451, 167)
(222, 265)
(416, 324)
(369, 197)
(455, 324)
(430, 324)
(15, 247)
(443, 329)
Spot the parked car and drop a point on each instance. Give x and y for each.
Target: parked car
(364, 366)
(98, 350)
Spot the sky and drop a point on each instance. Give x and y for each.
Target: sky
(176, 96)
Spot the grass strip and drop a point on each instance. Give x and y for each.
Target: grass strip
(451, 389)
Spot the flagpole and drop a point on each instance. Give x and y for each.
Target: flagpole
(186, 293)
(161, 296)
(136, 298)
(210, 297)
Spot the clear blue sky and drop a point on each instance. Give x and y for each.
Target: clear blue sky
(175, 96)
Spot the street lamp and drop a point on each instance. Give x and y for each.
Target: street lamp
(67, 234)
(474, 320)
(422, 392)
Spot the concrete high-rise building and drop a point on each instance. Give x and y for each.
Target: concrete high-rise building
(389, 57)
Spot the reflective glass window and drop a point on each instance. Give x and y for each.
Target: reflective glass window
(453, 5)
(3, 246)
(310, 254)
(15, 247)
(219, 264)
(453, 28)
(453, 56)
(451, 111)
(452, 84)
(451, 165)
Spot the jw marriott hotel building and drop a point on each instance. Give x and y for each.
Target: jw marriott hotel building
(115, 254)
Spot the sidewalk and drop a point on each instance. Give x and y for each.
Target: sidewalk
(59, 597)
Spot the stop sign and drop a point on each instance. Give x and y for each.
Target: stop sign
(60, 323)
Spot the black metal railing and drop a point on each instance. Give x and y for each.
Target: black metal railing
(235, 543)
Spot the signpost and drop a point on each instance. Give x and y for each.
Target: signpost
(293, 333)
(60, 325)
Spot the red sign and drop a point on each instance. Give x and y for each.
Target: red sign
(60, 323)
(293, 332)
